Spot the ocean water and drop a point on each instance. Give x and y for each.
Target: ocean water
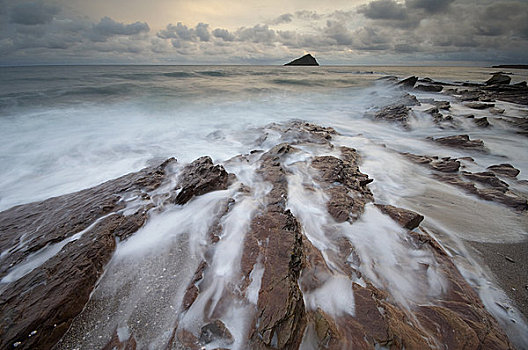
(65, 128)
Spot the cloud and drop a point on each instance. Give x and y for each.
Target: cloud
(338, 32)
(308, 15)
(431, 6)
(384, 9)
(223, 34)
(182, 32)
(285, 18)
(257, 34)
(32, 13)
(107, 27)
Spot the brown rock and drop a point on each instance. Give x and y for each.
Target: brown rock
(429, 88)
(477, 105)
(498, 78)
(344, 183)
(280, 308)
(406, 218)
(482, 122)
(445, 165)
(442, 104)
(461, 141)
(48, 298)
(395, 113)
(408, 82)
(200, 177)
(505, 170)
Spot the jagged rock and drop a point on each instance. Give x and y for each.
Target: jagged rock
(445, 165)
(476, 105)
(344, 183)
(214, 332)
(306, 60)
(281, 316)
(505, 170)
(298, 132)
(200, 177)
(45, 300)
(442, 104)
(488, 178)
(498, 78)
(496, 110)
(395, 113)
(406, 218)
(461, 141)
(429, 88)
(408, 82)
(482, 122)
(409, 100)
(495, 194)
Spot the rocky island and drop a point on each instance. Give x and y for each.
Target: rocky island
(306, 60)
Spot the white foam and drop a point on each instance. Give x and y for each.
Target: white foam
(335, 297)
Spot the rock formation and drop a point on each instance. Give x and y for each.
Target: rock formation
(286, 273)
(306, 60)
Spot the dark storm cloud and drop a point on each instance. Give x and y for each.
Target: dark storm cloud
(107, 27)
(32, 13)
(384, 9)
(432, 6)
(503, 19)
(439, 29)
(338, 32)
(182, 32)
(223, 34)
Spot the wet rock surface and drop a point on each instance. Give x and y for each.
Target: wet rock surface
(200, 177)
(395, 113)
(461, 141)
(39, 306)
(505, 170)
(286, 277)
(406, 218)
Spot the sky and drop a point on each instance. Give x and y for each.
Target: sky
(348, 32)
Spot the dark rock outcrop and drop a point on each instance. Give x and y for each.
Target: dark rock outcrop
(281, 316)
(444, 165)
(394, 113)
(429, 88)
(505, 170)
(406, 218)
(344, 183)
(461, 141)
(408, 83)
(476, 105)
(200, 177)
(482, 122)
(306, 60)
(498, 78)
(38, 308)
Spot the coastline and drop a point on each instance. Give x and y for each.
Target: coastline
(308, 207)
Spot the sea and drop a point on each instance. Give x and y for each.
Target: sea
(68, 128)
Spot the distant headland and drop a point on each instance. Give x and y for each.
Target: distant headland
(512, 66)
(306, 60)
